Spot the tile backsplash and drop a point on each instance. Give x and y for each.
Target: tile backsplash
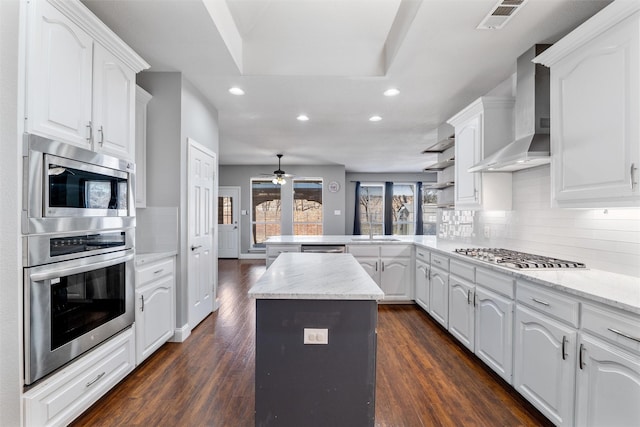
(605, 239)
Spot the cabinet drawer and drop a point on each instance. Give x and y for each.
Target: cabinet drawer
(66, 394)
(422, 254)
(497, 282)
(463, 270)
(556, 305)
(440, 261)
(274, 250)
(402, 251)
(621, 328)
(364, 250)
(153, 271)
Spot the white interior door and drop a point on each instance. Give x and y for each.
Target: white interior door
(201, 183)
(228, 231)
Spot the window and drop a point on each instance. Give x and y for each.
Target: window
(429, 211)
(372, 208)
(265, 211)
(307, 207)
(403, 209)
(225, 210)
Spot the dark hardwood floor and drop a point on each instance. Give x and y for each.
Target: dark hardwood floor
(424, 378)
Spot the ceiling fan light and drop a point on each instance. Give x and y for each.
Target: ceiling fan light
(236, 91)
(391, 92)
(375, 118)
(303, 118)
(278, 180)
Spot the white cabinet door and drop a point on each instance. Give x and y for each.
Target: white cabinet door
(422, 284)
(113, 105)
(494, 327)
(439, 296)
(395, 279)
(461, 311)
(608, 390)
(154, 322)
(544, 365)
(467, 148)
(58, 77)
(595, 151)
(372, 267)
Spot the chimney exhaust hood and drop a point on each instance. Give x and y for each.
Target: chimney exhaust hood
(532, 145)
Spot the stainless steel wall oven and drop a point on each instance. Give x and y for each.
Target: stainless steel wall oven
(78, 222)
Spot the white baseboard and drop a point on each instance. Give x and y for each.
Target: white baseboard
(181, 334)
(259, 255)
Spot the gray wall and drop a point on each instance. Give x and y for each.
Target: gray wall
(241, 176)
(351, 178)
(176, 112)
(10, 261)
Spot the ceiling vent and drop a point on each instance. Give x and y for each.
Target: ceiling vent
(500, 14)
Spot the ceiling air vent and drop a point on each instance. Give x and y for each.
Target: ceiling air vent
(500, 14)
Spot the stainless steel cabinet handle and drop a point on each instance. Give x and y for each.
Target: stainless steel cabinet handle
(468, 296)
(426, 273)
(581, 357)
(90, 137)
(622, 334)
(437, 261)
(475, 300)
(158, 271)
(540, 301)
(376, 265)
(142, 300)
(421, 254)
(90, 383)
(193, 248)
(632, 174)
(382, 265)
(564, 342)
(101, 130)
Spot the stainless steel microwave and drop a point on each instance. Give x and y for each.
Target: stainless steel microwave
(67, 188)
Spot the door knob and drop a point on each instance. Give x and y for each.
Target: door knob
(193, 248)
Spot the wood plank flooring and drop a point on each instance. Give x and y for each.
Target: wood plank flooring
(424, 378)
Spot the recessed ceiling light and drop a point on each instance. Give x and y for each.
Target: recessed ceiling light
(391, 92)
(375, 118)
(236, 91)
(303, 118)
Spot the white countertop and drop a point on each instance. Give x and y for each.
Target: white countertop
(616, 290)
(316, 276)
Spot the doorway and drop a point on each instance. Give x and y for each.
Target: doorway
(228, 220)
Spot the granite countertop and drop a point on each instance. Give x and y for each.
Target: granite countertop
(318, 276)
(616, 290)
(143, 258)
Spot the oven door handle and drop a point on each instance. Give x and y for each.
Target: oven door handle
(54, 272)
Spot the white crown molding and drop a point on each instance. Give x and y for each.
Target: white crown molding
(93, 26)
(482, 104)
(611, 15)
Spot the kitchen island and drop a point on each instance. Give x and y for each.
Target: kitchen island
(316, 318)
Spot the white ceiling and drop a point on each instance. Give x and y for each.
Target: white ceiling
(332, 60)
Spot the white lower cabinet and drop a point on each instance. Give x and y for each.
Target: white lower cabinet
(390, 266)
(439, 296)
(544, 366)
(608, 372)
(461, 310)
(494, 327)
(422, 284)
(62, 397)
(155, 306)
(274, 250)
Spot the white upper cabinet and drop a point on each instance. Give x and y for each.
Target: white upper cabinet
(595, 105)
(60, 56)
(80, 86)
(481, 129)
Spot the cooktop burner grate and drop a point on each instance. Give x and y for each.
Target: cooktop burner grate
(518, 260)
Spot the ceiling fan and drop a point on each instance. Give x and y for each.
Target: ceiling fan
(279, 174)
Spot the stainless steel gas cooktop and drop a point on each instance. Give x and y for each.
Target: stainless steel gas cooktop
(518, 260)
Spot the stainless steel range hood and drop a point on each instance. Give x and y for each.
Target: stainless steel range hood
(532, 145)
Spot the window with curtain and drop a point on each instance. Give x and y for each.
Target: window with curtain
(371, 208)
(266, 211)
(429, 212)
(307, 207)
(403, 208)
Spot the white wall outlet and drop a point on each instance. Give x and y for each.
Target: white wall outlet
(244, 212)
(316, 336)
(487, 232)
(337, 212)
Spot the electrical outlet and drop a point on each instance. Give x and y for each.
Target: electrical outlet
(316, 336)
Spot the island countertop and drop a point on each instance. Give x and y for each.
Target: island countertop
(319, 276)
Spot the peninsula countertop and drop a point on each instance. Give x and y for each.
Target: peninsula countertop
(319, 276)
